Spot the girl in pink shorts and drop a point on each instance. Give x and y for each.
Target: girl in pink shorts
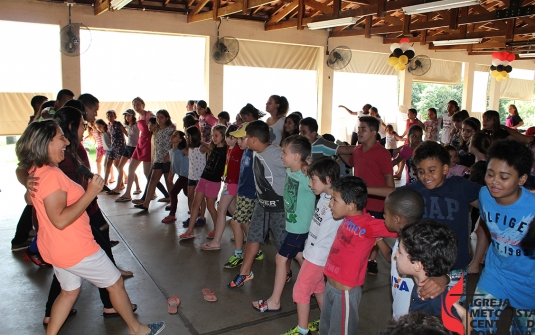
(210, 182)
(231, 174)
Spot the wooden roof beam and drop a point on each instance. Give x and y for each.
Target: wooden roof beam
(200, 5)
(282, 13)
(319, 6)
(102, 6)
(236, 7)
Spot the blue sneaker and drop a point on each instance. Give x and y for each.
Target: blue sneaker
(185, 223)
(200, 222)
(156, 328)
(239, 280)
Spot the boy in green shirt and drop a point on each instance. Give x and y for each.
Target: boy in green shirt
(299, 202)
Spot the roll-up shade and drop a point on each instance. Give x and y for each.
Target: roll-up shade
(516, 89)
(482, 68)
(16, 110)
(369, 63)
(442, 72)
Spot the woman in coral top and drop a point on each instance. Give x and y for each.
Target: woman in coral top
(65, 238)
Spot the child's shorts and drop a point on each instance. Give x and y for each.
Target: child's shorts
(309, 281)
(192, 182)
(262, 221)
(292, 245)
(244, 209)
(97, 269)
(128, 151)
(100, 152)
(230, 189)
(209, 188)
(165, 167)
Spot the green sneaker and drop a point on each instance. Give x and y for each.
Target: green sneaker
(259, 256)
(294, 331)
(234, 261)
(314, 325)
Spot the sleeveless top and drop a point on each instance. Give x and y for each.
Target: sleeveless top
(143, 148)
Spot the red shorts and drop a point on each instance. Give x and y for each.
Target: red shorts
(310, 280)
(230, 189)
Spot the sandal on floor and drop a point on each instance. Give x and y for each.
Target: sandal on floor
(137, 192)
(207, 247)
(263, 307)
(172, 305)
(209, 295)
(210, 235)
(169, 219)
(115, 315)
(123, 199)
(164, 200)
(71, 313)
(186, 236)
(138, 201)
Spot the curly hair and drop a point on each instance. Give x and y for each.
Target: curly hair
(514, 153)
(431, 243)
(431, 150)
(416, 323)
(352, 190)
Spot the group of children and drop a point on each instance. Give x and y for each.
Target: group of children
(330, 224)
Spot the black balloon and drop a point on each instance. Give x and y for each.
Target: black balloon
(410, 54)
(397, 52)
(391, 55)
(500, 68)
(508, 68)
(492, 67)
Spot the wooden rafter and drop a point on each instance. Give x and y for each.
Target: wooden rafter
(319, 6)
(282, 13)
(101, 6)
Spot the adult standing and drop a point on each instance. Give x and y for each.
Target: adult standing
(65, 238)
(365, 111)
(206, 121)
(277, 107)
(142, 153)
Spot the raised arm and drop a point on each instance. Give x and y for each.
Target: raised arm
(381, 191)
(518, 136)
(348, 110)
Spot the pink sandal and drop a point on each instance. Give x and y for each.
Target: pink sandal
(211, 235)
(186, 236)
(169, 219)
(172, 305)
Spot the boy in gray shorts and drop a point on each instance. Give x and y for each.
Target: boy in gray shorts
(268, 213)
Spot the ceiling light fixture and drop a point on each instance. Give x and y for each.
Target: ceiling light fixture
(438, 5)
(345, 21)
(118, 4)
(527, 55)
(457, 42)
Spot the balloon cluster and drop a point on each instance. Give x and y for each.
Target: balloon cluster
(401, 54)
(500, 65)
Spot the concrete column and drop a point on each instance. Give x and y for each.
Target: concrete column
(494, 94)
(325, 94)
(405, 88)
(71, 77)
(213, 80)
(468, 85)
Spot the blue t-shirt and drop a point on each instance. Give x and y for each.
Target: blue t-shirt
(299, 202)
(509, 268)
(179, 162)
(246, 186)
(449, 204)
(430, 306)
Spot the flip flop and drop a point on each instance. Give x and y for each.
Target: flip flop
(207, 247)
(123, 199)
(172, 305)
(168, 219)
(137, 192)
(112, 192)
(115, 315)
(210, 235)
(263, 307)
(209, 295)
(186, 236)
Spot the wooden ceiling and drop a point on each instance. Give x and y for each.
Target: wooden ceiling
(375, 18)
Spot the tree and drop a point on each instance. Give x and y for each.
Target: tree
(425, 96)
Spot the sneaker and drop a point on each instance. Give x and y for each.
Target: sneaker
(156, 328)
(372, 268)
(185, 223)
(200, 222)
(234, 261)
(22, 246)
(34, 258)
(314, 325)
(239, 280)
(259, 256)
(289, 276)
(294, 331)
(113, 243)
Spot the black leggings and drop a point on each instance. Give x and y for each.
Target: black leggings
(23, 226)
(102, 237)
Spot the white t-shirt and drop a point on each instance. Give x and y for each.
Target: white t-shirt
(357, 124)
(391, 142)
(322, 232)
(275, 131)
(401, 288)
(447, 124)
